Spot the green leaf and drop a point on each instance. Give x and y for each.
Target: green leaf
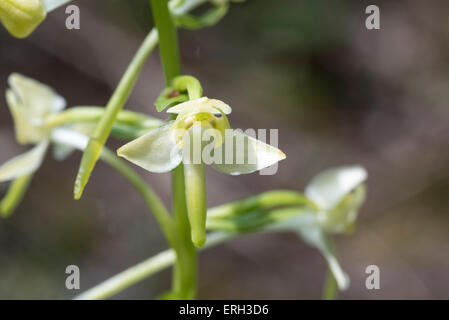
(210, 18)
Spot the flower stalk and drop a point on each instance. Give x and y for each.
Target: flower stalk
(185, 269)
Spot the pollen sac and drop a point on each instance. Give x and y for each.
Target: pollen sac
(21, 17)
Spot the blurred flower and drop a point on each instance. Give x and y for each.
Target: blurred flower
(338, 194)
(30, 103)
(329, 206)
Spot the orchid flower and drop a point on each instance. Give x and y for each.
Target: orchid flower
(338, 194)
(199, 135)
(30, 103)
(36, 111)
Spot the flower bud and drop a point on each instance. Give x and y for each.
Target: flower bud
(21, 17)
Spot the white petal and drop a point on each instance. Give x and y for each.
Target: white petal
(155, 151)
(23, 164)
(37, 97)
(69, 138)
(316, 238)
(328, 188)
(51, 5)
(203, 104)
(66, 141)
(243, 154)
(30, 102)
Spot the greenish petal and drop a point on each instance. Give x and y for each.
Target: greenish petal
(23, 164)
(155, 151)
(242, 154)
(329, 187)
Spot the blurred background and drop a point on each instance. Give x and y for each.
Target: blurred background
(338, 93)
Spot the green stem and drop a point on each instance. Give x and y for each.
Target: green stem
(166, 258)
(141, 271)
(168, 43)
(185, 270)
(129, 125)
(129, 277)
(115, 104)
(330, 289)
(94, 113)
